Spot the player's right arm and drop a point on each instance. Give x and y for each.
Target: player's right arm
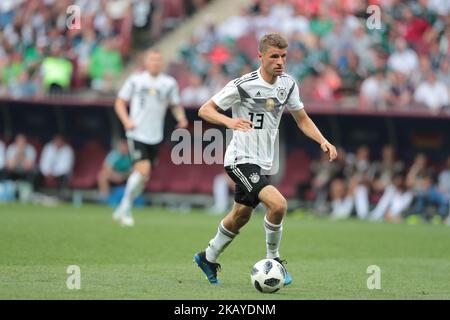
(120, 106)
(121, 103)
(224, 99)
(210, 112)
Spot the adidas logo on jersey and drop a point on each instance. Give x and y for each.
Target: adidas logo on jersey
(258, 94)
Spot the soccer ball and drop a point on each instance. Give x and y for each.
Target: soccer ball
(268, 276)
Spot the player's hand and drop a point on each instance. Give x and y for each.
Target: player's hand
(240, 124)
(182, 124)
(129, 125)
(330, 149)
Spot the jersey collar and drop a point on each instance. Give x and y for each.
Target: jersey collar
(264, 81)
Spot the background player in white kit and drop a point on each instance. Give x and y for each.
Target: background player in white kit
(257, 101)
(149, 93)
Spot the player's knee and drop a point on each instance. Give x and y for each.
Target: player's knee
(279, 208)
(101, 176)
(144, 168)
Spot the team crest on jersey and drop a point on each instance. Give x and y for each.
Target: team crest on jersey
(281, 94)
(254, 177)
(270, 104)
(152, 91)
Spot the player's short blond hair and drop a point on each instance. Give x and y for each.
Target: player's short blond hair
(152, 51)
(272, 40)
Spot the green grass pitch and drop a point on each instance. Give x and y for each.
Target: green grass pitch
(153, 260)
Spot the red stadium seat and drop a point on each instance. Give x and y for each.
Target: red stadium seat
(296, 171)
(88, 161)
(183, 178)
(173, 9)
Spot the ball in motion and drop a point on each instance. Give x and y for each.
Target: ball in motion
(268, 276)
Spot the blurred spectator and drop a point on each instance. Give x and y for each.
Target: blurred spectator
(395, 200)
(83, 49)
(424, 68)
(432, 94)
(115, 169)
(348, 69)
(12, 68)
(56, 71)
(2, 160)
(20, 160)
(403, 60)
(195, 94)
(148, 15)
(341, 199)
(383, 171)
(24, 86)
(216, 79)
(360, 175)
(421, 179)
(443, 74)
(374, 91)
(56, 162)
(444, 184)
(105, 65)
(401, 91)
(235, 26)
(324, 172)
(327, 84)
(349, 191)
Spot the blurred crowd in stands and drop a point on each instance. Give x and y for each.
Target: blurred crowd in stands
(384, 188)
(40, 54)
(334, 54)
(24, 164)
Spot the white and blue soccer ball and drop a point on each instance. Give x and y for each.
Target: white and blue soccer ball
(268, 276)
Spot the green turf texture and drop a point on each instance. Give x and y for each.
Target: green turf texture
(327, 259)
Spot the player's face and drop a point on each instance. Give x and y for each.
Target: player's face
(273, 61)
(154, 62)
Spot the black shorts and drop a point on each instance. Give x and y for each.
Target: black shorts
(249, 182)
(142, 151)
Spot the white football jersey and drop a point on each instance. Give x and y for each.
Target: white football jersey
(252, 98)
(149, 98)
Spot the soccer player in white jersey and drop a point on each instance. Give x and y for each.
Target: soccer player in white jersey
(257, 101)
(149, 94)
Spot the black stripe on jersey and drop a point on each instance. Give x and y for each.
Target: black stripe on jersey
(241, 80)
(246, 80)
(290, 92)
(243, 93)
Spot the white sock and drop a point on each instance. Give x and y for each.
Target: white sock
(217, 245)
(135, 185)
(273, 238)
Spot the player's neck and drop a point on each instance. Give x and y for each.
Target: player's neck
(154, 75)
(270, 79)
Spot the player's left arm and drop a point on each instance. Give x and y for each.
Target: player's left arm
(309, 128)
(179, 115)
(176, 107)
